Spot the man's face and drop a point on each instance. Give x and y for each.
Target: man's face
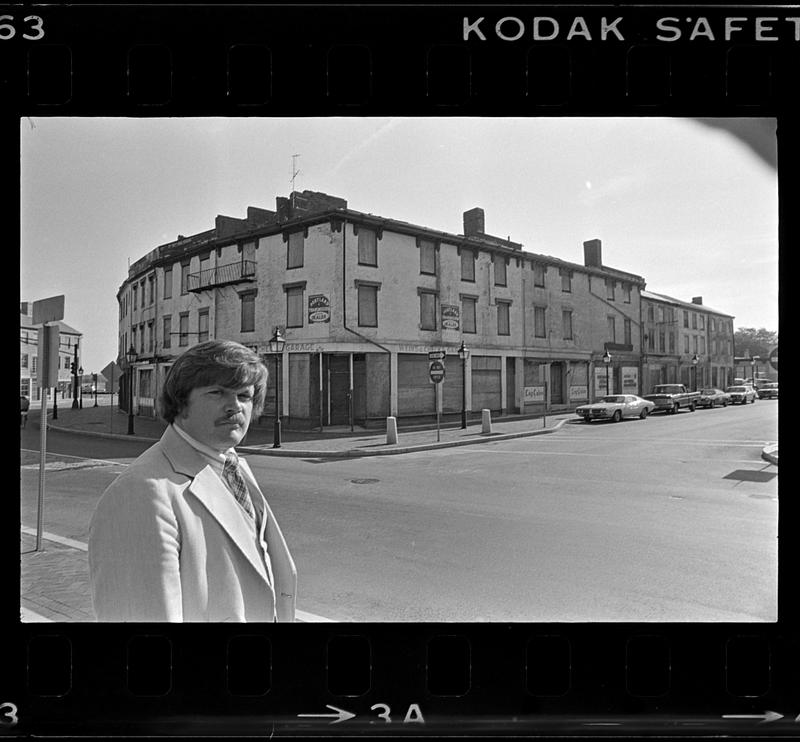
(218, 416)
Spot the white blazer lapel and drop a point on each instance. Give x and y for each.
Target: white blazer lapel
(220, 503)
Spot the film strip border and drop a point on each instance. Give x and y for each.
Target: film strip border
(517, 677)
(422, 59)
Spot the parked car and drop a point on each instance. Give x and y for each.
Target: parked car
(741, 394)
(615, 407)
(768, 391)
(671, 397)
(713, 397)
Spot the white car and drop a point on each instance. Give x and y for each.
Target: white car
(615, 407)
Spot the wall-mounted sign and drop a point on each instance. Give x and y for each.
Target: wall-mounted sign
(630, 380)
(603, 380)
(319, 309)
(578, 392)
(451, 317)
(533, 394)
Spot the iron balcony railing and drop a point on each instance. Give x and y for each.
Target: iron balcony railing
(239, 272)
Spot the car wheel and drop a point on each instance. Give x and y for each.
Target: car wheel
(724, 403)
(643, 413)
(691, 407)
(617, 416)
(675, 408)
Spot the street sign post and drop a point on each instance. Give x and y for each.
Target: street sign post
(436, 371)
(437, 355)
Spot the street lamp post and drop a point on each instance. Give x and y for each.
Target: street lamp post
(276, 345)
(695, 360)
(75, 379)
(80, 389)
(754, 371)
(463, 354)
(131, 354)
(55, 401)
(607, 361)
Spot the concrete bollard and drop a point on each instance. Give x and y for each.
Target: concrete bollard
(486, 421)
(391, 430)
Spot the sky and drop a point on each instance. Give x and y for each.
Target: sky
(685, 205)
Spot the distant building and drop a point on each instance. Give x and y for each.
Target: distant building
(676, 333)
(69, 340)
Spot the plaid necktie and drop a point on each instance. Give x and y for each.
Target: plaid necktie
(235, 480)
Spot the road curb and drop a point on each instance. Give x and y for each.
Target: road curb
(770, 453)
(361, 452)
(341, 454)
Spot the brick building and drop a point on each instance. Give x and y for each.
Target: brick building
(361, 300)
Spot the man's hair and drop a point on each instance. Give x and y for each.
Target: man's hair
(214, 362)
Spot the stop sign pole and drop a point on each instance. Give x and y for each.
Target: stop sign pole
(436, 371)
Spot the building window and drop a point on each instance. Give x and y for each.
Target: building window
(205, 266)
(202, 325)
(626, 328)
(671, 342)
(23, 360)
(294, 254)
(151, 289)
(702, 345)
(66, 362)
(686, 319)
(539, 326)
(184, 277)
(183, 329)
(294, 306)
(651, 340)
(427, 257)
(141, 335)
(612, 329)
(248, 258)
(662, 341)
(702, 322)
(685, 343)
(651, 313)
(367, 247)
(610, 283)
(135, 292)
(468, 305)
(427, 310)
(694, 321)
(168, 282)
(500, 271)
(150, 336)
(566, 280)
(538, 275)
(133, 337)
(468, 265)
(367, 303)
(566, 324)
(627, 293)
(694, 343)
(248, 322)
(167, 331)
(503, 320)
(34, 364)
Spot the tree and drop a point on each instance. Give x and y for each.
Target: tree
(751, 342)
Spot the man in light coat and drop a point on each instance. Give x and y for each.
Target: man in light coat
(185, 533)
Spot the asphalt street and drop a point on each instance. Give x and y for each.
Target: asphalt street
(673, 518)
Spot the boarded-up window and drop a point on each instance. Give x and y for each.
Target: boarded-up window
(415, 392)
(612, 329)
(168, 282)
(500, 271)
(486, 383)
(538, 274)
(467, 265)
(468, 314)
(427, 310)
(295, 251)
(248, 312)
(427, 257)
(367, 247)
(367, 305)
(294, 306)
(503, 322)
(566, 324)
(539, 325)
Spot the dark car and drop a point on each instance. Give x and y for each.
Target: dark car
(712, 397)
(768, 391)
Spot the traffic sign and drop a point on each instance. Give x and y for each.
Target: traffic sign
(48, 310)
(773, 358)
(437, 355)
(436, 371)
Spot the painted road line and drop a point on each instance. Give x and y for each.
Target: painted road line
(57, 539)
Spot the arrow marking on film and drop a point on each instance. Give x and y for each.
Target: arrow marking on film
(765, 718)
(340, 715)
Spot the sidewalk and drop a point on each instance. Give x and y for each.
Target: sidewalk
(338, 441)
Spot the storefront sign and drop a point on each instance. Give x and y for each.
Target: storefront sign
(630, 380)
(600, 381)
(533, 394)
(319, 309)
(451, 318)
(579, 392)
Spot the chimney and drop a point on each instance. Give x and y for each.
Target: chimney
(697, 300)
(474, 222)
(592, 254)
